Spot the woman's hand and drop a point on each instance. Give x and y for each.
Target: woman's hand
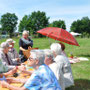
(29, 48)
(4, 84)
(11, 80)
(22, 67)
(11, 72)
(18, 59)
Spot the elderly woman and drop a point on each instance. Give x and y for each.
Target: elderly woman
(6, 64)
(55, 68)
(12, 51)
(24, 43)
(4, 57)
(64, 65)
(42, 79)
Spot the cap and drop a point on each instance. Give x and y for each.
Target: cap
(10, 41)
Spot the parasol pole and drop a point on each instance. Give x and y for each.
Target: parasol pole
(49, 38)
(59, 34)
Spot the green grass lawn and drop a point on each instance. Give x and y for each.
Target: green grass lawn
(81, 70)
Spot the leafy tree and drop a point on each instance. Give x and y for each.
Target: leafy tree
(39, 20)
(59, 23)
(35, 21)
(81, 26)
(76, 26)
(23, 23)
(85, 24)
(8, 23)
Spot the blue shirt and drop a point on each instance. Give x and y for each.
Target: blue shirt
(42, 79)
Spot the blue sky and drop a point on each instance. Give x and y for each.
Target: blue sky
(67, 10)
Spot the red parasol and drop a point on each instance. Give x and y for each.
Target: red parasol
(59, 34)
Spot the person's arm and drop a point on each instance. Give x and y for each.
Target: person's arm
(11, 87)
(11, 72)
(9, 67)
(16, 80)
(16, 88)
(22, 68)
(16, 56)
(27, 72)
(22, 49)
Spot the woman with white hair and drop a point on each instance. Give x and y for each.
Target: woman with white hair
(65, 72)
(54, 67)
(4, 57)
(50, 58)
(42, 78)
(6, 64)
(24, 43)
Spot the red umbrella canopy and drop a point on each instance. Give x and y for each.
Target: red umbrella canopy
(59, 34)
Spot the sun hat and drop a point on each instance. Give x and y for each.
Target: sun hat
(10, 41)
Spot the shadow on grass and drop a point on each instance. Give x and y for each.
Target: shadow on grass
(80, 84)
(83, 55)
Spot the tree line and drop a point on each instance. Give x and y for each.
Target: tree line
(81, 26)
(38, 20)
